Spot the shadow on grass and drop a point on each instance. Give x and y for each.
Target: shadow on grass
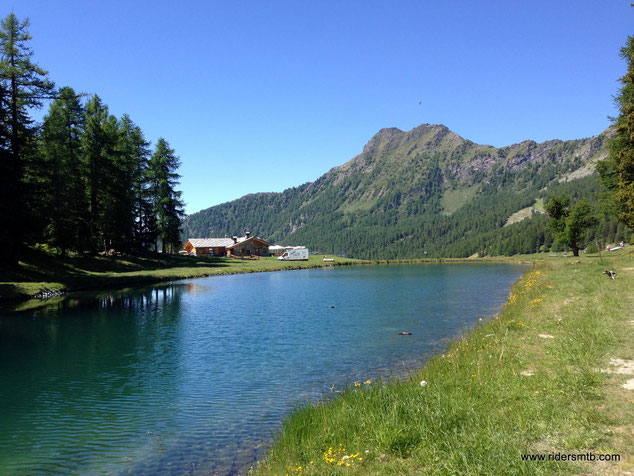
(37, 266)
(9, 290)
(41, 271)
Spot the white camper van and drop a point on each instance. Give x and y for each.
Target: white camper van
(295, 255)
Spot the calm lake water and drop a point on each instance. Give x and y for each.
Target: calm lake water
(196, 377)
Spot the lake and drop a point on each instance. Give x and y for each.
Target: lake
(195, 377)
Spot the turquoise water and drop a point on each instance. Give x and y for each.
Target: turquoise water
(196, 377)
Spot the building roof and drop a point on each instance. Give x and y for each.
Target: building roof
(222, 242)
(210, 242)
(242, 239)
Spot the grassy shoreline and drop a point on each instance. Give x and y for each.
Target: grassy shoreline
(44, 275)
(544, 378)
(41, 273)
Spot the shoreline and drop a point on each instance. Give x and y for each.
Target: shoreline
(526, 382)
(14, 292)
(21, 292)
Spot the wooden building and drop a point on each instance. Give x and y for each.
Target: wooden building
(208, 246)
(244, 246)
(249, 246)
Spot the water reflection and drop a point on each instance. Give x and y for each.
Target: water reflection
(196, 377)
(86, 372)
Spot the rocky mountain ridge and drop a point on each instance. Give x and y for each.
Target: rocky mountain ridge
(411, 192)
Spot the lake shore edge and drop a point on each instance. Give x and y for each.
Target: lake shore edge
(101, 273)
(536, 380)
(174, 269)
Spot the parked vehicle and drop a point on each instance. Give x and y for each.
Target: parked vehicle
(295, 255)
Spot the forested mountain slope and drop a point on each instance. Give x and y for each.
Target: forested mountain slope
(422, 192)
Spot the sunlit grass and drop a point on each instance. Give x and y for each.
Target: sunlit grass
(525, 382)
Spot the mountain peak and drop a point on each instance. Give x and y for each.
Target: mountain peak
(384, 135)
(426, 190)
(430, 134)
(429, 127)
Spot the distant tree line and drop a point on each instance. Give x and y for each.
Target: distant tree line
(82, 180)
(399, 225)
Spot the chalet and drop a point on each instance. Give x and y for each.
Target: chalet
(235, 246)
(207, 246)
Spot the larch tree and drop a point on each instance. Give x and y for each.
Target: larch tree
(99, 142)
(8, 185)
(135, 154)
(23, 87)
(617, 171)
(64, 172)
(115, 219)
(168, 206)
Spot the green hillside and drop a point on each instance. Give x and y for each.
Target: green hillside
(424, 191)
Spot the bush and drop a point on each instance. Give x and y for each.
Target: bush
(592, 248)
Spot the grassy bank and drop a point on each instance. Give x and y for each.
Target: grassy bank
(40, 272)
(529, 382)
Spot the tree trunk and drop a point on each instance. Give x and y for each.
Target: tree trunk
(15, 222)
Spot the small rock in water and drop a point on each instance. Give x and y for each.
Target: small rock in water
(332, 306)
(405, 333)
(47, 294)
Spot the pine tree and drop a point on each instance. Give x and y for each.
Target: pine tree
(135, 154)
(23, 86)
(168, 206)
(65, 197)
(115, 219)
(99, 143)
(8, 184)
(617, 172)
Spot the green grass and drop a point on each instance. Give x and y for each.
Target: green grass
(41, 271)
(501, 392)
(537, 207)
(452, 200)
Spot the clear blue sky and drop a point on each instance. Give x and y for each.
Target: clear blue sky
(260, 96)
